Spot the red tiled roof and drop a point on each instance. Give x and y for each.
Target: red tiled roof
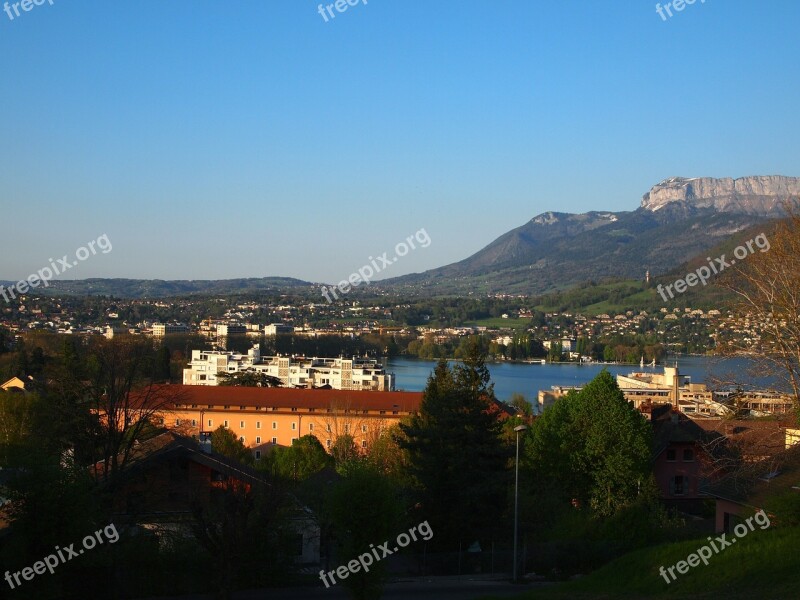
(304, 398)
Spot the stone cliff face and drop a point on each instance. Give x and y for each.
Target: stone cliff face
(761, 195)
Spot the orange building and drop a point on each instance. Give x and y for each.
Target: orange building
(279, 416)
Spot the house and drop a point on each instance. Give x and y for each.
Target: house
(754, 487)
(681, 462)
(170, 478)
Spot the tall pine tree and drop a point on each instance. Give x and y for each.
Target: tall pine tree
(458, 460)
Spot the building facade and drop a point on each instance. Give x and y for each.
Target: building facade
(279, 416)
(162, 329)
(336, 373)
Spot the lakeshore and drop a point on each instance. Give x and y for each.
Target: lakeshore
(528, 379)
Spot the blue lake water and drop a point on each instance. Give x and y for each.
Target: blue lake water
(528, 379)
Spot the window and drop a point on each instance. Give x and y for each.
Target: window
(274, 424)
(225, 423)
(258, 424)
(177, 422)
(327, 443)
(241, 439)
(363, 443)
(274, 440)
(258, 454)
(294, 409)
(311, 427)
(363, 429)
(227, 407)
(194, 422)
(294, 426)
(241, 424)
(688, 455)
(347, 427)
(670, 455)
(202, 377)
(210, 423)
(241, 408)
(678, 485)
(258, 439)
(329, 427)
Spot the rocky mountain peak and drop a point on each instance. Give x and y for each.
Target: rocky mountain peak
(762, 195)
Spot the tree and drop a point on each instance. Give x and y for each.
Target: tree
(457, 457)
(344, 449)
(225, 442)
(242, 528)
(364, 511)
(592, 448)
(386, 456)
(124, 397)
(302, 459)
(248, 379)
(767, 289)
(162, 368)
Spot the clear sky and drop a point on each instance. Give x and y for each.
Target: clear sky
(253, 138)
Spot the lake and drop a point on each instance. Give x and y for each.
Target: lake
(412, 374)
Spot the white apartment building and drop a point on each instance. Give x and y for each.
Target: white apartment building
(338, 373)
(276, 328)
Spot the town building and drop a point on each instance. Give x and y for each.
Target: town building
(170, 478)
(336, 373)
(226, 329)
(276, 328)
(162, 329)
(279, 416)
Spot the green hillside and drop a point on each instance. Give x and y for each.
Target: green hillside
(761, 565)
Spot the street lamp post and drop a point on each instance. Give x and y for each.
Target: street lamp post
(518, 429)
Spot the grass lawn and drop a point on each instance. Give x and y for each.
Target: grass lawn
(762, 565)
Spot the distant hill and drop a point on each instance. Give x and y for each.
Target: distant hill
(677, 220)
(157, 288)
(616, 295)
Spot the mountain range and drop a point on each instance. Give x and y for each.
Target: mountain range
(678, 220)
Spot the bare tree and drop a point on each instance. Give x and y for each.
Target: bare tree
(766, 285)
(121, 392)
(344, 418)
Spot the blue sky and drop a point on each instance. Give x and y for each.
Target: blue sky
(252, 138)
